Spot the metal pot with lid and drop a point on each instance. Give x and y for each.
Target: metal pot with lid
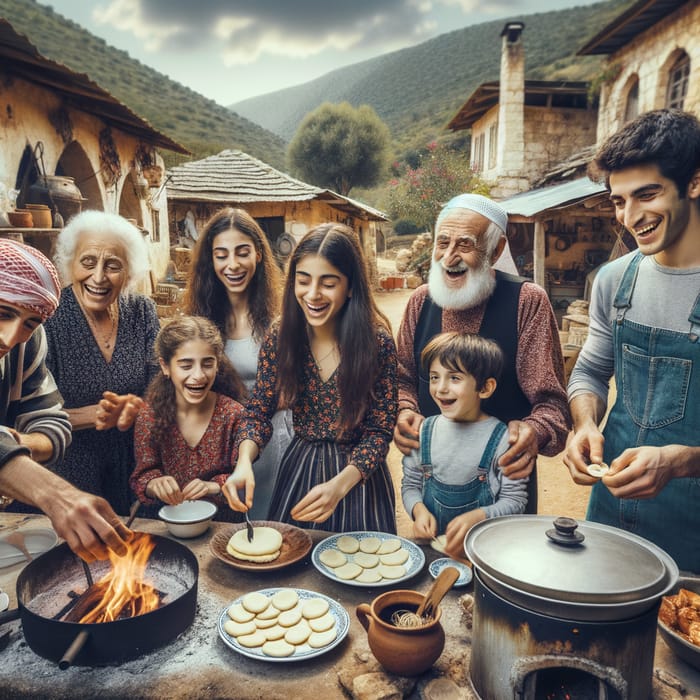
(564, 600)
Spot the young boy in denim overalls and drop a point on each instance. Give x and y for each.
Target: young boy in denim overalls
(453, 480)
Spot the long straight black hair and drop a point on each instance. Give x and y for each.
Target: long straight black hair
(357, 324)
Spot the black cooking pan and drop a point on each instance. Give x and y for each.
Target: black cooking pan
(44, 588)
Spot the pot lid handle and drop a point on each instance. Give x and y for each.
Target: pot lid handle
(564, 533)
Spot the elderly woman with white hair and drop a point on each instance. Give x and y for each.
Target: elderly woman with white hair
(101, 340)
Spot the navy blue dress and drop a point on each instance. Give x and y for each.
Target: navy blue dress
(101, 462)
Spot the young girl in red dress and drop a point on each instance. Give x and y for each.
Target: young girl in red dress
(184, 435)
(332, 360)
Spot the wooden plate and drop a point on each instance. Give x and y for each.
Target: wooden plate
(296, 544)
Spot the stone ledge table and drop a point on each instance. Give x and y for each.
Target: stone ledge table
(199, 664)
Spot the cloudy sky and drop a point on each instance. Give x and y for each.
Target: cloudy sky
(230, 50)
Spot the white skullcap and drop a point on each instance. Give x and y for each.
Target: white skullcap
(478, 203)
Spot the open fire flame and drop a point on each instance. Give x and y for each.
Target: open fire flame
(122, 592)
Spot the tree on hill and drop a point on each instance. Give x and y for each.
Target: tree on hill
(339, 147)
(418, 193)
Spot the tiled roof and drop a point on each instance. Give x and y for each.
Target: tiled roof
(234, 177)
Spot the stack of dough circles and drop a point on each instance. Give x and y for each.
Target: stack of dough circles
(279, 624)
(365, 560)
(265, 546)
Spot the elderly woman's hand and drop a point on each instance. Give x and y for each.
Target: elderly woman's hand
(117, 411)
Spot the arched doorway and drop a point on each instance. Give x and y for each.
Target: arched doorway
(75, 163)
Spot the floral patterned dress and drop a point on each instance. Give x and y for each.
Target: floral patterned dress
(317, 454)
(211, 459)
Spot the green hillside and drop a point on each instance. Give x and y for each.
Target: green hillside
(200, 124)
(417, 90)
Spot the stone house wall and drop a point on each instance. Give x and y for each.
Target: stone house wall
(71, 140)
(649, 57)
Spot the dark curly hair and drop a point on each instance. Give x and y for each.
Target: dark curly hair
(161, 392)
(667, 138)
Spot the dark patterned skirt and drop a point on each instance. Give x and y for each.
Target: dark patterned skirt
(368, 506)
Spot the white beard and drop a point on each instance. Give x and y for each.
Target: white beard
(477, 288)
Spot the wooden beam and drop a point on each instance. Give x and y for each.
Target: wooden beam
(538, 250)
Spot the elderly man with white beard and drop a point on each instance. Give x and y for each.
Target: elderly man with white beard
(464, 293)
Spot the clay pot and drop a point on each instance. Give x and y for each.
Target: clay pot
(41, 215)
(405, 651)
(57, 191)
(21, 218)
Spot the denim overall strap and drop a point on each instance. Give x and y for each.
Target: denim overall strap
(447, 501)
(426, 436)
(657, 378)
(491, 446)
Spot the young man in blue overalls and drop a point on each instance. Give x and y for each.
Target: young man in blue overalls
(645, 330)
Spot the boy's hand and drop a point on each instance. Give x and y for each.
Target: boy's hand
(424, 522)
(457, 530)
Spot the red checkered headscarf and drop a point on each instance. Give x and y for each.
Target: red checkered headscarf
(28, 278)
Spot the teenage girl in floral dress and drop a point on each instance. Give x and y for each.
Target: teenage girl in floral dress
(332, 359)
(185, 432)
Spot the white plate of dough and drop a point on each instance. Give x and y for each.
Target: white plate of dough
(400, 547)
(36, 540)
(335, 610)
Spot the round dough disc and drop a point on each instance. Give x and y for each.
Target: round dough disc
(279, 648)
(348, 571)
(369, 576)
(266, 540)
(366, 561)
(275, 632)
(299, 633)
(392, 571)
(347, 544)
(289, 618)
(598, 470)
(285, 599)
(395, 558)
(238, 629)
(314, 607)
(255, 602)
(257, 639)
(323, 623)
(332, 558)
(321, 639)
(389, 546)
(370, 544)
(438, 543)
(239, 614)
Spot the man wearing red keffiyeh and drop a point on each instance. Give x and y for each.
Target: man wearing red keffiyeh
(33, 426)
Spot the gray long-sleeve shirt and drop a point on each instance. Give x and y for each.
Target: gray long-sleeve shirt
(456, 449)
(662, 298)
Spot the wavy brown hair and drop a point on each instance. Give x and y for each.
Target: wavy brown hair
(357, 324)
(206, 295)
(161, 392)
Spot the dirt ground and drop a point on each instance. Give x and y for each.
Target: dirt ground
(558, 495)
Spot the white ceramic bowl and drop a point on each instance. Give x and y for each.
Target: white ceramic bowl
(188, 519)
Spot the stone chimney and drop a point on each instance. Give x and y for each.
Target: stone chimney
(510, 152)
